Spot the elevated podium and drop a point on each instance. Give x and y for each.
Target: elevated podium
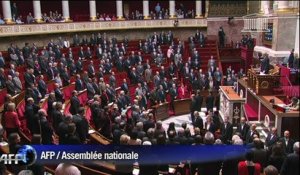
(182, 106)
(262, 84)
(161, 111)
(231, 104)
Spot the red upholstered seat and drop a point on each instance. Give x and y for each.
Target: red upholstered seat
(250, 113)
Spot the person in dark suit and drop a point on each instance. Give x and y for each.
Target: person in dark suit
(243, 128)
(46, 130)
(57, 116)
(173, 93)
(221, 35)
(64, 131)
(226, 131)
(209, 125)
(260, 155)
(59, 95)
(287, 142)
(91, 70)
(82, 126)
(90, 89)
(74, 103)
(271, 139)
(290, 165)
(161, 94)
(199, 100)
(265, 64)
(124, 86)
(210, 101)
(104, 99)
(193, 107)
(291, 59)
(277, 156)
(79, 85)
(42, 86)
(198, 123)
(30, 110)
(251, 133)
(11, 89)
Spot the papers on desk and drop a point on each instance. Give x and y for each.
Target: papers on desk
(91, 131)
(282, 105)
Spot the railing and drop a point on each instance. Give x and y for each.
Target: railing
(34, 29)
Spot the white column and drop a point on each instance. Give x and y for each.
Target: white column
(172, 9)
(37, 10)
(119, 9)
(146, 9)
(264, 7)
(198, 8)
(283, 4)
(297, 38)
(65, 10)
(6, 10)
(92, 10)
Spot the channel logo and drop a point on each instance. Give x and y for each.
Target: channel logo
(26, 155)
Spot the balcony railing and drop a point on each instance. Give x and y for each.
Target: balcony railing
(32, 29)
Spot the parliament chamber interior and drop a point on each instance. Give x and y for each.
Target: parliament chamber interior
(200, 74)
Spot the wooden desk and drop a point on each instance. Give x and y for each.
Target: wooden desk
(182, 106)
(262, 84)
(161, 111)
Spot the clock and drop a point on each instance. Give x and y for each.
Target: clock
(264, 85)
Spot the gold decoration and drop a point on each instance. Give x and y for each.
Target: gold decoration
(264, 85)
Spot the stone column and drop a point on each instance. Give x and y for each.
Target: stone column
(119, 4)
(284, 6)
(264, 7)
(297, 38)
(65, 10)
(172, 9)
(93, 16)
(198, 9)
(146, 9)
(37, 11)
(206, 8)
(6, 10)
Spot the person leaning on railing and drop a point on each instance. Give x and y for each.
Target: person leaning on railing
(294, 105)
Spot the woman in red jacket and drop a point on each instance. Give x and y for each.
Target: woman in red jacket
(248, 167)
(12, 122)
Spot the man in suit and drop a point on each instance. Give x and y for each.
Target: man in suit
(42, 86)
(193, 107)
(226, 131)
(148, 74)
(209, 125)
(260, 155)
(11, 89)
(161, 94)
(287, 142)
(265, 64)
(271, 139)
(29, 78)
(290, 165)
(173, 93)
(199, 99)
(156, 79)
(210, 101)
(59, 95)
(79, 85)
(90, 89)
(112, 80)
(46, 130)
(30, 110)
(91, 69)
(124, 86)
(198, 121)
(243, 128)
(74, 103)
(251, 134)
(82, 126)
(17, 82)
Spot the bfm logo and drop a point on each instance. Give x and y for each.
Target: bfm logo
(9, 159)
